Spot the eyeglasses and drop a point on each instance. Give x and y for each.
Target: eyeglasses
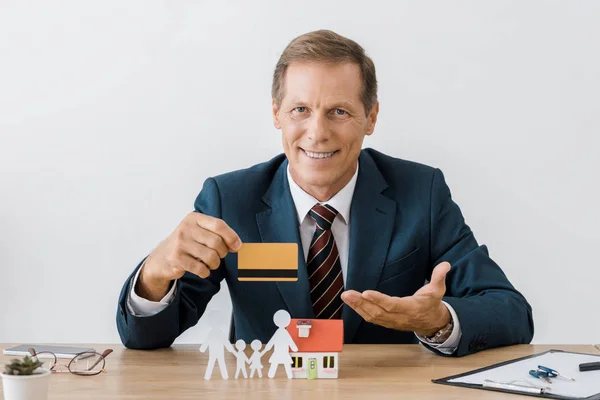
(87, 363)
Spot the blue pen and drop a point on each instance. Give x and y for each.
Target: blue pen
(540, 375)
(552, 372)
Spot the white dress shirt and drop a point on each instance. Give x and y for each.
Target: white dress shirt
(340, 229)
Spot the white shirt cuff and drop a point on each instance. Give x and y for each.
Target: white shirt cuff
(141, 307)
(451, 344)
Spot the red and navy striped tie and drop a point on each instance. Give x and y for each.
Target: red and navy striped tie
(324, 267)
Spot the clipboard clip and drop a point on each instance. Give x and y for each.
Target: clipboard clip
(519, 385)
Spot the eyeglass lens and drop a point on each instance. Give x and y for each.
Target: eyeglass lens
(87, 364)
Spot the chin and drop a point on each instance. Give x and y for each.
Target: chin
(317, 179)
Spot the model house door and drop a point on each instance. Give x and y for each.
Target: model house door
(312, 369)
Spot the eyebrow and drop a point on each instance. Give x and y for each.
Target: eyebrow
(338, 104)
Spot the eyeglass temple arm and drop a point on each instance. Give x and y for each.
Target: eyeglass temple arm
(32, 351)
(102, 357)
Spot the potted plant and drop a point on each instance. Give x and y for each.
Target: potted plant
(25, 380)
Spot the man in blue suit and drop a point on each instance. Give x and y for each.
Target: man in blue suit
(382, 244)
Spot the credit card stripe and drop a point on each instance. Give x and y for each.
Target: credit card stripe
(267, 273)
(268, 279)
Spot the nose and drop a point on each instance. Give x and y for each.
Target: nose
(318, 130)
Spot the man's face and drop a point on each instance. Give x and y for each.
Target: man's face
(323, 124)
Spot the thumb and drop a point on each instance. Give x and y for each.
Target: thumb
(438, 277)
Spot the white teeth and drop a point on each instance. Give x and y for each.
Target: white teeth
(318, 155)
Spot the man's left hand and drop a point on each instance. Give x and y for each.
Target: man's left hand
(423, 312)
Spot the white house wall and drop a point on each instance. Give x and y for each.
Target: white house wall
(322, 374)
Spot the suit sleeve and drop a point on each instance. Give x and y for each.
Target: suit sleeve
(187, 306)
(491, 311)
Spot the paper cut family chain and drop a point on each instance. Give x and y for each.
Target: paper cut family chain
(281, 342)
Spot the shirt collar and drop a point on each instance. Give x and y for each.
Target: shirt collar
(341, 201)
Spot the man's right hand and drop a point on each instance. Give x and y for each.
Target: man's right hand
(197, 245)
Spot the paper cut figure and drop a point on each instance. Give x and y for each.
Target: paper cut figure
(255, 365)
(216, 341)
(282, 341)
(242, 359)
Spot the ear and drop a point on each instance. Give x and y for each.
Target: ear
(372, 119)
(276, 122)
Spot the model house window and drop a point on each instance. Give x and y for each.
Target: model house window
(296, 362)
(328, 362)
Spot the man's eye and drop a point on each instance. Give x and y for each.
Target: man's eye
(339, 111)
(300, 109)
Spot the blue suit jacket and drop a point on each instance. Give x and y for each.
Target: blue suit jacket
(403, 223)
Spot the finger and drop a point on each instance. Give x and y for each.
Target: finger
(362, 312)
(377, 313)
(209, 257)
(220, 227)
(438, 277)
(351, 297)
(354, 299)
(200, 252)
(388, 303)
(370, 311)
(194, 266)
(210, 240)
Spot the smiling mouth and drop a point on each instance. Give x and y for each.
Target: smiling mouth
(319, 155)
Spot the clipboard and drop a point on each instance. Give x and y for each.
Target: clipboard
(585, 387)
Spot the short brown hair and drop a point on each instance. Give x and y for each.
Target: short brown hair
(328, 47)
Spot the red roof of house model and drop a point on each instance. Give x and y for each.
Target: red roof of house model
(325, 335)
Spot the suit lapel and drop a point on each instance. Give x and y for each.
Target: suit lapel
(372, 217)
(279, 224)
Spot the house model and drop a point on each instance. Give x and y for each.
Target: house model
(319, 342)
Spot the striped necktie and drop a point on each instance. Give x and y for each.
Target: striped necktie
(324, 267)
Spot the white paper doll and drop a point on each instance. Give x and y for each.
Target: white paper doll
(255, 365)
(242, 359)
(216, 342)
(282, 342)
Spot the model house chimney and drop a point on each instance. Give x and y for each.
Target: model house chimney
(303, 326)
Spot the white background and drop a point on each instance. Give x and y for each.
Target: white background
(113, 113)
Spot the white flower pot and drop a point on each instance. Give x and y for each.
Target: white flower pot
(26, 387)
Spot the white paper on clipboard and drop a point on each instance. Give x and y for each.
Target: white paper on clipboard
(586, 383)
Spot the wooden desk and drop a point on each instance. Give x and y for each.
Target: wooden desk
(367, 371)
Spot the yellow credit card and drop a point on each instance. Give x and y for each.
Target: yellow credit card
(268, 262)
